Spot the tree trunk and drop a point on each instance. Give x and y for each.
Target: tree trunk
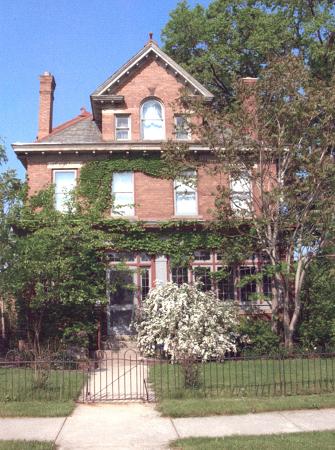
(288, 333)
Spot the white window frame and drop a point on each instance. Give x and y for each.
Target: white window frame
(163, 119)
(195, 189)
(187, 129)
(125, 115)
(238, 194)
(118, 211)
(54, 172)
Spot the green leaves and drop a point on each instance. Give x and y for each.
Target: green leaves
(236, 38)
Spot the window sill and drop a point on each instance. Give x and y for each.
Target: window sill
(119, 216)
(185, 217)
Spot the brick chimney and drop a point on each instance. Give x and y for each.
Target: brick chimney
(250, 104)
(250, 100)
(47, 88)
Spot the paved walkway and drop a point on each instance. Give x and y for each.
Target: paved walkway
(139, 426)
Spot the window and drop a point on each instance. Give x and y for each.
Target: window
(226, 285)
(123, 193)
(65, 182)
(249, 288)
(122, 127)
(267, 286)
(186, 194)
(241, 194)
(202, 255)
(180, 275)
(152, 120)
(182, 128)
(145, 282)
(120, 257)
(203, 275)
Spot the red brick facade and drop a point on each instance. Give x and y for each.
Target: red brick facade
(150, 74)
(153, 78)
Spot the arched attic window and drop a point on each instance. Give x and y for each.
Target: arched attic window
(152, 120)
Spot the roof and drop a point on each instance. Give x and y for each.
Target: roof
(152, 47)
(80, 130)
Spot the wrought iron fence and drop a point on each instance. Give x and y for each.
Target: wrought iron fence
(245, 376)
(28, 378)
(127, 375)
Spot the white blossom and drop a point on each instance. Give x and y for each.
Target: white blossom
(186, 322)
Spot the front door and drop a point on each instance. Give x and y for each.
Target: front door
(122, 300)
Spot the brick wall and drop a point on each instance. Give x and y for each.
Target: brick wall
(151, 80)
(154, 197)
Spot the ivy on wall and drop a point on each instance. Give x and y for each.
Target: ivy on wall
(96, 176)
(176, 239)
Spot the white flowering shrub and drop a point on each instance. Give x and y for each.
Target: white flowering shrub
(186, 323)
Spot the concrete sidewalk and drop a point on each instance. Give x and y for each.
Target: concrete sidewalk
(139, 426)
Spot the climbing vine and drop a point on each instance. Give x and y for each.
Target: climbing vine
(177, 239)
(96, 176)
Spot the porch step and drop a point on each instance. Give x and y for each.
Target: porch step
(119, 346)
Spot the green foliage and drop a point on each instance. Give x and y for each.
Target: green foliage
(316, 330)
(56, 270)
(261, 340)
(178, 239)
(96, 177)
(233, 38)
(77, 334)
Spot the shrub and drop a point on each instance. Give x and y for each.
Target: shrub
(261, 340)
(186, 323)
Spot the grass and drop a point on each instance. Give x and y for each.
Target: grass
(299, 441)
(26, 445)
(26, 383)
(210, 407)
(36, 408)
(249, 377)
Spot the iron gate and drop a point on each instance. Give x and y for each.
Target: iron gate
(118, 376)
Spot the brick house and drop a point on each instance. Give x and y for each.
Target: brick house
(133, 114)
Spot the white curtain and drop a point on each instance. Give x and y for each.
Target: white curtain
(152, 120)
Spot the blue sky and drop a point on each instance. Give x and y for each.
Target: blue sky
(81, 42)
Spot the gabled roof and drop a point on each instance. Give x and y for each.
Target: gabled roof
(151, 48)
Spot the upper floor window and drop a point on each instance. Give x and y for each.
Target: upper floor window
(122, 127)
(241, 194)
(152, 120)
(182, 128)
(123, 193)
(65, 182)
(186, 203)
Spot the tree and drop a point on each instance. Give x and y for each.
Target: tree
(186, 323)
(56, 272)
(276, 144)
(236, 38)
(316, 329)
(11, 190)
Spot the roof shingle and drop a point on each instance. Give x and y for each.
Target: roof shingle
(84, 131)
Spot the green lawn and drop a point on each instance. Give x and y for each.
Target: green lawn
(209, 406)
(37, 408)
(25, 383)
(26, 445)
(243, 378)
(299, 441)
